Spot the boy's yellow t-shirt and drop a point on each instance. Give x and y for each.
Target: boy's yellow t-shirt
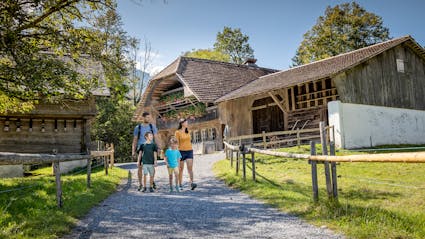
(184, 141)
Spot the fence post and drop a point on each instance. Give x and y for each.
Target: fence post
(57, 172)
(112, 155)
(314, 172)
(89, 173)
(226, 152)
(264, 140)
(253, 166)
(333, 169)
(105, 162)
(243, 164)
(298, 138)
(326, 164)
(237, 162)
(231, 158)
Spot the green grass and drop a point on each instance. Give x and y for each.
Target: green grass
(33, 212)
(376, 200)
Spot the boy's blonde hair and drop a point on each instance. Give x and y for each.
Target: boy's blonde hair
(173, 140)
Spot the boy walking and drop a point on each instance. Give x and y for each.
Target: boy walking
(148, 157)
(172, 159)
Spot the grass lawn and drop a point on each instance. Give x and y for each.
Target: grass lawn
(33, 213)
(376, 200)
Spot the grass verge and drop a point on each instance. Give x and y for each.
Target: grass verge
(32, 212)
(376, 200)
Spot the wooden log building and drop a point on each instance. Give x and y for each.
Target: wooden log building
(188, 88)
(389, 74)
(54, 127)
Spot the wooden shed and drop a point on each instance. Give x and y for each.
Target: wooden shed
(54, 127)
(188, 88)
(389, 74)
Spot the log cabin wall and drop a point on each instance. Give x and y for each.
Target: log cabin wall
(395, 78)
(63, 127)
(301, 106)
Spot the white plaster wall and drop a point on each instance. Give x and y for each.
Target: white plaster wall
(360, 126)
(68, 166)
(11, 171)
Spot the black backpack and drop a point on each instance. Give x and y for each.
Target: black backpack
(138, 137)
(140, 129)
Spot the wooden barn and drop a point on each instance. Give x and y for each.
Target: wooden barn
(390, 74)
(188, 88)
(53, 128)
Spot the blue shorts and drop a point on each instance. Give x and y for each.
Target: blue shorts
(186, 154)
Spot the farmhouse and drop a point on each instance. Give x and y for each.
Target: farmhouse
(53, 127)
(188, 88)
(388, 79)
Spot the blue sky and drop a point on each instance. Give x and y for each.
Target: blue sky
(275, 27)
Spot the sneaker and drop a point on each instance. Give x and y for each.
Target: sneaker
(171, 189)
(154, 185)
(144, 189)
(139, 188)
(177, 189)
(193, 186)
(181, 187)
(151, 189)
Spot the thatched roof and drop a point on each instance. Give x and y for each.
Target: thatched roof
(319, 69)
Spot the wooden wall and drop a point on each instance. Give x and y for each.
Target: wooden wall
(378, 82)
(237, 115)
(36, 141)
(74, 138)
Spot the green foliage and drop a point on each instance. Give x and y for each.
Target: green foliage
(113, 125)
(32, 212)
(42, 44)
(209, 54)
(165, 99)
(234, 43)
(343, 28)
(376, 200)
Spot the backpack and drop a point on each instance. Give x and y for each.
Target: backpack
(138, 137)
(140, 129)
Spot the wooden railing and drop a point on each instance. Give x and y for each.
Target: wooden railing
(329, 161)
(273, 139)
(7, 158)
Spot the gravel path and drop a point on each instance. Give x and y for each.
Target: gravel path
(210, 211)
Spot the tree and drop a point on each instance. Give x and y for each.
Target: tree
(343, 28)
(235, 44)
(139, 77)
(35, 36)
(209, 54)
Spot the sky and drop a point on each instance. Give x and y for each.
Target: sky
(275, 27)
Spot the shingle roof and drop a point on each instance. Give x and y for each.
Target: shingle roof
(316, 70)
(207, 79)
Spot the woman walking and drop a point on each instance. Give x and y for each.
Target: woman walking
(185, 146)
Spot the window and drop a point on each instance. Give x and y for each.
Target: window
(400, 65)
(204, 135)
(212, 134)
(196, 137)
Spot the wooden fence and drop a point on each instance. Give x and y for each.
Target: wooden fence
(330, 161)
(21, 158)
(277, 138)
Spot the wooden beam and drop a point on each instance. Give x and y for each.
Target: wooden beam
(307, 91)
(276, 100)
(293, 98)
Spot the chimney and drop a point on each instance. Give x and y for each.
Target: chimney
(250, 62)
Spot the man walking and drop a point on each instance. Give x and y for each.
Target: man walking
(138, 140)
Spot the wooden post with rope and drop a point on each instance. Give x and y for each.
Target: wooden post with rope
(326, 164)
(314, 172)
